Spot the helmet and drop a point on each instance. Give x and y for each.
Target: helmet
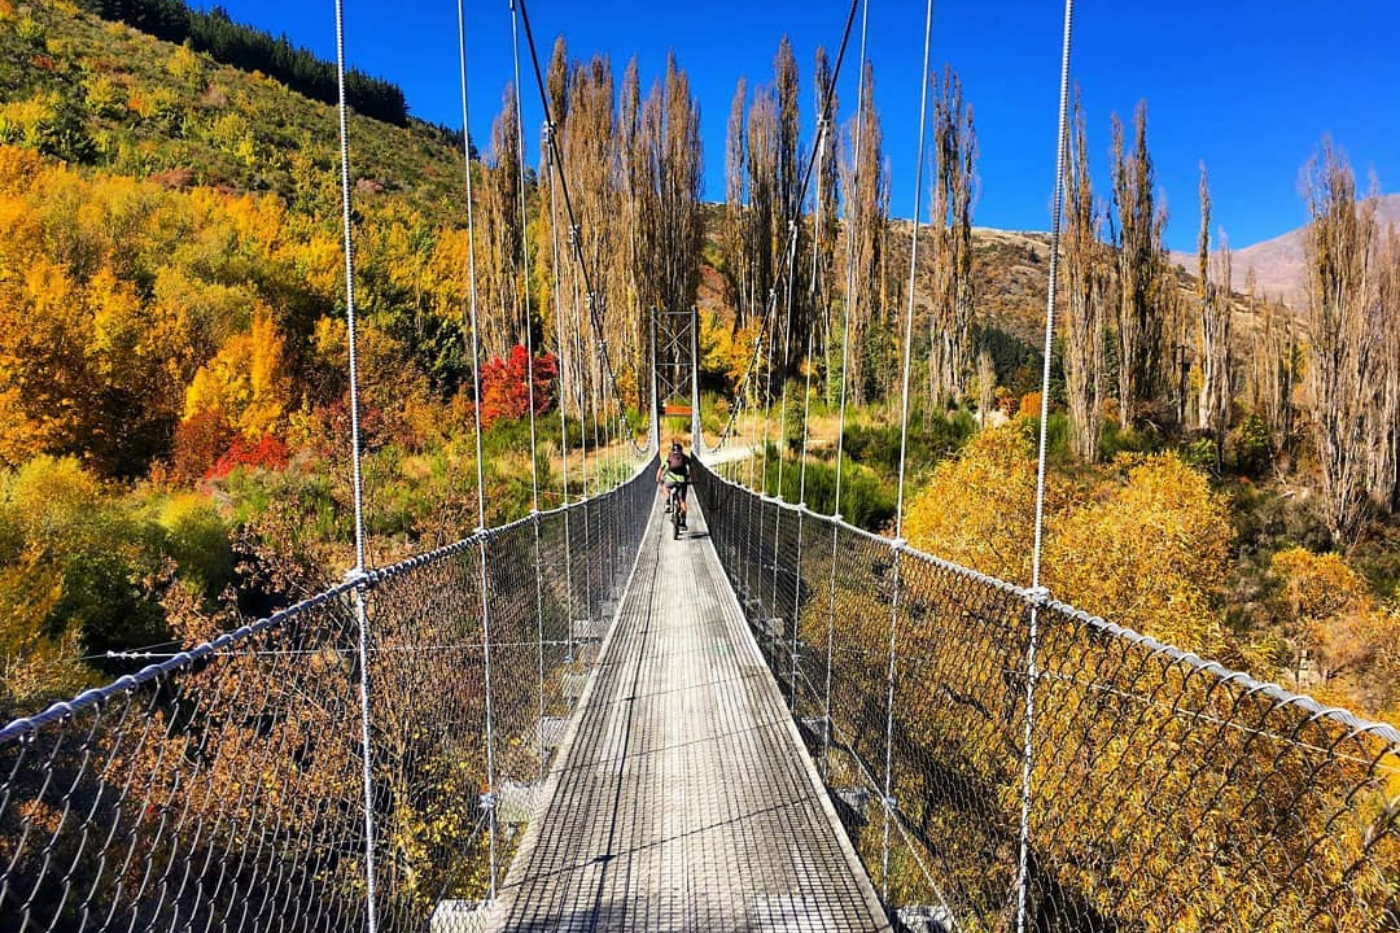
(676, 445)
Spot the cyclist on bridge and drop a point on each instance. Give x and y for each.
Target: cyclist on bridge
(674, 472)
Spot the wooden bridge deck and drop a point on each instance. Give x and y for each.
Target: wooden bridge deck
(683, 799)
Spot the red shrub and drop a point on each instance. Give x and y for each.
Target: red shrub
(505, 391)
(270, 453)
(332, 423)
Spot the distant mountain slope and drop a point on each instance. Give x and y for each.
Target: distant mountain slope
(1279, 264)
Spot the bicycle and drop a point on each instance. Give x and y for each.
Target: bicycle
(674, 507)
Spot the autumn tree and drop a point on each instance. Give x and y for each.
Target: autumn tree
(1144, 281)
(978, 508)
(954, 167)
(245, 383)
(789, 193)
(669, 188)
(1213, 294)
(986, 386)
(553, 226)
(1344, 358)
(1086, 271)
(72, 562)
(498, 269)
(737, 257)
(558, 82)
(790, 239)
(590, 160)
(827, 177)
(1273, 369)
(635, 177)
(507, 390)
(764, 232)
(1384, 474)
(866, 209)
(1149, 551)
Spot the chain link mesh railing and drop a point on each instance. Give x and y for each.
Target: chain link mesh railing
(221, 789)
(1166, 793)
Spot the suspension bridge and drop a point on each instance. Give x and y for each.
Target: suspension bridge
(777, 722)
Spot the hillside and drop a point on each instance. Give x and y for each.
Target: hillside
(173, 399)
(1011, 271)
(104, 95)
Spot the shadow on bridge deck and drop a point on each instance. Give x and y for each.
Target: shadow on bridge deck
(683, 799)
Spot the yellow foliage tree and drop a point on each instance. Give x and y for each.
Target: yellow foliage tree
(118, 319)
(979, 508)
(1151, 554)
(386, 380)
(43, 372)
(1318, 585)
(1328, 611)
(245, 382)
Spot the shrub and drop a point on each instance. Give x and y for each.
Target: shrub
(1056, 434)
(877, 445)
(75, 563)
(269, 453)
(197, 539)
(866, 501)
(1251, 447)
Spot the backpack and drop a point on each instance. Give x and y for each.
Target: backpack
(676, 460)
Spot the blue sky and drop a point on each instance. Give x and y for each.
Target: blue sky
(1249, 86)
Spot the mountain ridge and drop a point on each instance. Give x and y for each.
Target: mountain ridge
(1279, 263)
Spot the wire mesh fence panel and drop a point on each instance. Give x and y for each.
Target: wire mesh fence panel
(958, 728)
(428, 736)
(193, 795)
(1171, 794)
(1164, 793)
(223, 788)
(811, 612)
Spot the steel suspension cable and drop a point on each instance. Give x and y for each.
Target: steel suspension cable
(1039, 593)
(361, 619)
(576, 241)
(529, 379)
(845, 381)
(563, 404)
(785, 270)
(489, 800)
(899, 543)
